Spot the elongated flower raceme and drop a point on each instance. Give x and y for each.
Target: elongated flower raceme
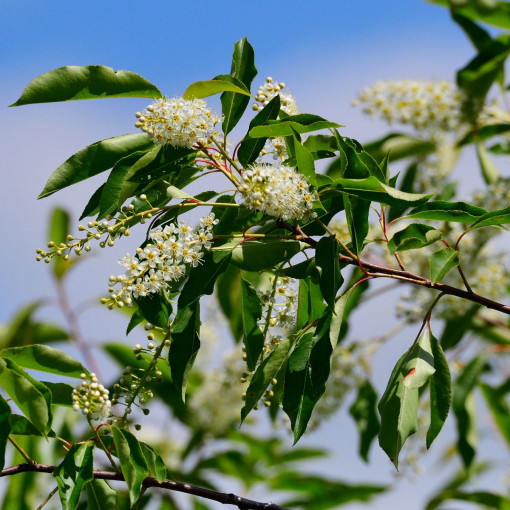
(178, 122)
(92, 399)
(277, 190)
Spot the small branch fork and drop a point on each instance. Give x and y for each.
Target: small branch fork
(382, 271)
(220, 497)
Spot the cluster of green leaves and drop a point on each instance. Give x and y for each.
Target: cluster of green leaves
(358, 180)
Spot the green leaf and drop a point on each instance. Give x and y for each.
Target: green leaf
(118, 186)
(483, 133)
(307, 372)
(459, 212)
(202, 278)
(229, 292)
(45, 359)
(489, 170)
(20, 426)
(31, 396)
(155, 309)
(398, 406)
(494, 218)
(154, 462)
(251, 310)
(305, 162)
(440, 391)
(499, 409)
(299, 271)
(100, 495)
(61, 393)
(364, 412)
(372, 189)
(463, 405)
(250, 148)
(360, 164)
(326, 257)
(5, 428)
(478, 76)
(208, 88)
(243, 70)
(265, 374)
(499, 16)
(477, 35)
(483, 498)
(302, 123)
(356, 213)
(441, 262)
(136, 319)
(85, 82)
(73, 473)
(94, 159)
(132, 462)
(399, 146)
(256, 255)
(412, 237)
(59, 228)
(185, 344)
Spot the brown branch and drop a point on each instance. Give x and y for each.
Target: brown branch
(201, 492)
(406, 276)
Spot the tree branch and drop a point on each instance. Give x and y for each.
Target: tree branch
(220, 497)
(406, 276)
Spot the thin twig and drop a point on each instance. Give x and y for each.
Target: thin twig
(48, 497)
(201, 492)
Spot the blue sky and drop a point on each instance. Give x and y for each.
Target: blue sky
(324, 50)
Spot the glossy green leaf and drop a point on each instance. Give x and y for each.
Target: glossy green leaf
(440, 391)
(5, 429)
(228, 290)
(264, 375)
(251, 310)
(202, 279)
(243, 70)
(483, 133)
(73, 473)
(20, 426)
(208, 88)
(498, 16)
(476, 34)
(298, 271)
(356, 213)
(185, 344)
(489, 170)
(372, 189)
(307, 372)
(94, 159)
(495, 398)
(45, 359)
(364, 412)
(360, 164)
(302, 123)
(463, 405)
(154, 462)
(118, 186)
(256, 255)
(132, 462)
(155, 309)
(100, 495)
(305, 162)
(85, 82)
(499, 217)
(136, 319)
(398, 406)
(441, 262)
(407, 185)
(459, 212)
(61, 393)
(250, 148)
(326, 257)
(31, 396)
(412, 237)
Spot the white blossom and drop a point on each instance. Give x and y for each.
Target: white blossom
(178, 122)
(92, 399)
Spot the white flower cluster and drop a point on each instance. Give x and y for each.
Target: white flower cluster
(426, 105)
(174, 249)
(92, 399)
(178, 122)
(269, 90)
(277, 190)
